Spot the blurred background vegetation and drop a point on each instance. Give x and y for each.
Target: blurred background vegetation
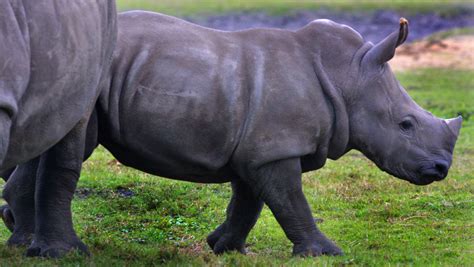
(187, 7)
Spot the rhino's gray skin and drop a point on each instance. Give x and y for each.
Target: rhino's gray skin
(53, 54)
(256, 108)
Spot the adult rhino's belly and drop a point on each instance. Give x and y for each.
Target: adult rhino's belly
(180, 125)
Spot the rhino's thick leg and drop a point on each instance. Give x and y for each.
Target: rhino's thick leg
(5, 211)
(242, 214)
(6, 174)
(279, 185)
(58, 173)
(19, 193)
(7, 217)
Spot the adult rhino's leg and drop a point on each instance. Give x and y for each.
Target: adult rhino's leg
(58, 172)
(19, 193)
(7, 217)
(242, 214)
(278, 184)
(6, 174)
(5, 211)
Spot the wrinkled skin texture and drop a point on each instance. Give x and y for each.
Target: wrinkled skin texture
(53, 55)
(255, 108)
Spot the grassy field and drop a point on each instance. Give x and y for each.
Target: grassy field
(187, 7)
(133, 219)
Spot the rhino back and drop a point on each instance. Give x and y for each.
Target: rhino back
(69, 45)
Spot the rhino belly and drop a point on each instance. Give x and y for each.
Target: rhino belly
(164, 165)
(181, 135)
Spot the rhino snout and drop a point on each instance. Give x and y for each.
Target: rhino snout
(436, 170)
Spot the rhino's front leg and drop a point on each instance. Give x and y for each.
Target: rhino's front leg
(242, 214)
(279, 185)
(58, 173)
(19, 192)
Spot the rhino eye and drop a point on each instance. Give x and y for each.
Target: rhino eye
(406, 125)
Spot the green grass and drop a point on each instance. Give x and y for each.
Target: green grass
(189, 7)
(378, 220)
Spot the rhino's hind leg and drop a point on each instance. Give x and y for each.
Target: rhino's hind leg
(58, 173)
(19, 193)
(242, 214)
(5, 211)
(279, 185)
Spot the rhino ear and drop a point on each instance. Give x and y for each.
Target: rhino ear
(385, 50)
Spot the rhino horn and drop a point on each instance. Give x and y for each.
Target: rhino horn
(454, 125)
(385, 50)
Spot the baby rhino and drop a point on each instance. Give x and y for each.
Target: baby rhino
(256, 108)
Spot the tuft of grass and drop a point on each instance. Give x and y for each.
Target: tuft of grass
(191, 7)
(129, 218)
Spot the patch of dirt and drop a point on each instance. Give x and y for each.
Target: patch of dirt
(125, 192)
(455, 53)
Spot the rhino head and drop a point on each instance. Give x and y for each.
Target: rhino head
(388, 127)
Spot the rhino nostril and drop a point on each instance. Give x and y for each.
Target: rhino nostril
(442, 167)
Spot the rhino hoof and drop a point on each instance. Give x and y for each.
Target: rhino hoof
(58, 250)
(212, 240)
(315, 250)
(333, 251)
(20, 239)
(7, 217)
(221, 242)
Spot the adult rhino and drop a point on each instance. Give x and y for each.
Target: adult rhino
(255, 108)
(52, 56)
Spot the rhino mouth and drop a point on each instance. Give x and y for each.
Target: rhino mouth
(416, 179)
(434, 171)
(422, 181)
(425, 175)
